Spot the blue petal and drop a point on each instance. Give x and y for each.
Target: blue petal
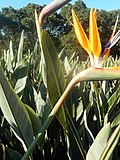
(110, 44)
(113, 41)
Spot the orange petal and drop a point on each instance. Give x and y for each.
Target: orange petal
(94, 37)
(106, 54)
(79, 31)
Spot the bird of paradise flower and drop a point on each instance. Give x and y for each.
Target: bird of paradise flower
(93, 44)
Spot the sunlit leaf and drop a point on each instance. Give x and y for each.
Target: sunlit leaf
(19, 78)
(54, 74)
(108, 150)
(15, 112)
(116, 121)
(99, 143)
(20, 49)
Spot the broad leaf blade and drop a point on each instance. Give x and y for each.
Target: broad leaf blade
(36, 122)
(19, 78)
(111, 144)
(13, 155)
(114, 99)
(116, 121)
(99, 143)
(20, 49)
(15, 112)
(54, 73)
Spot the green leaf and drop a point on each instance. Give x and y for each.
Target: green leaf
(71, 72)
(13, 155)
(116, 121)
(111, 144)
(43, 109)
(79, 110)
(67, 65)
(19, 78)
(99, 143)
(106, 119)
(15, 112)
(114, 99)
(86, 126)
(9, 58)
(54, 73)
(20, 49)
(103, 101)
(36, 123)
(74, 139)
(2, 151)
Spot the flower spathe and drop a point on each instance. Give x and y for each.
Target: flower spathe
(51, 8)
(93, 44)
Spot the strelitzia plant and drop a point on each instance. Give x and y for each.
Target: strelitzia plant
(91, 45)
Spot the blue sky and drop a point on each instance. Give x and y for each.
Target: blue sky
(100, 4)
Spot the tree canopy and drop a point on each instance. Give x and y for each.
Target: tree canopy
(59, 25)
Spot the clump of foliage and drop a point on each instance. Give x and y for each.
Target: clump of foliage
(87, 110)
(88, 124)
(13, 21)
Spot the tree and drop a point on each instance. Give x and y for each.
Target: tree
(59, 25)
(12, 22)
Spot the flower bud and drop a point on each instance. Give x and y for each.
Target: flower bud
(51, 8)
